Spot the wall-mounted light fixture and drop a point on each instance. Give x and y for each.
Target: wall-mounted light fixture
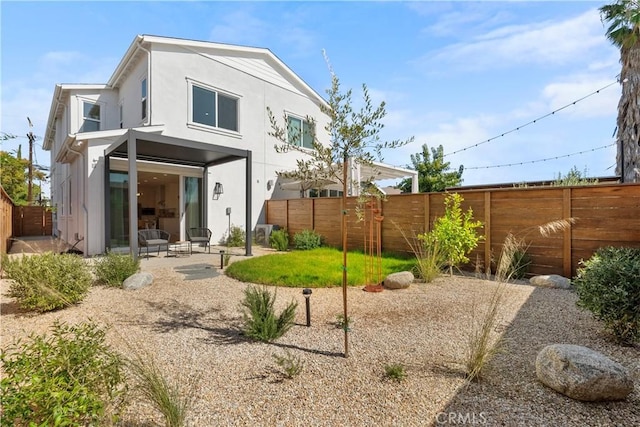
(269, 184)
(217, 191)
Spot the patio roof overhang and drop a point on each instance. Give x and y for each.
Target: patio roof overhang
(136, 145)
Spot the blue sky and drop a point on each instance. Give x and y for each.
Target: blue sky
(451, 73)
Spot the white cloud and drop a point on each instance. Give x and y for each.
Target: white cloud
(602, 104)
(547, 43)
(239, 27)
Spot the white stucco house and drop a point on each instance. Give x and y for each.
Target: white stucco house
(189, 120)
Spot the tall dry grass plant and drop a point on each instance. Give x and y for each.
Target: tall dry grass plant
(483, 341)
(430, 260)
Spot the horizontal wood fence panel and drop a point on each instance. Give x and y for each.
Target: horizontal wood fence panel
(606, 215)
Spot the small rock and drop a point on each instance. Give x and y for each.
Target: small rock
(582, 373)
(137, 281)
(400, 280)
(551, 281)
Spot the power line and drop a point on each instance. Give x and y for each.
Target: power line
(540, 160)
(532, 121)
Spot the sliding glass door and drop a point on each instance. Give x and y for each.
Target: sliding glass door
(119, 209)
(193, 212)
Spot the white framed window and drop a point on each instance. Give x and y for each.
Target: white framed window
(299, 132)
(143, 97)
(212, 107)
(90, 117)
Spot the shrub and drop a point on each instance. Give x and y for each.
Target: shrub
(514, 261)
(279, 240)
(291, 365)
(167, 397)
(395, 372)
(49, 281)
(260, 320)
(429, 258)
(307, 239)
(608, 286)
(236, 236)
(70, 378)
(455, 232)
(113, 269)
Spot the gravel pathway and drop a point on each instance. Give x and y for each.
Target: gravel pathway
(191, 328)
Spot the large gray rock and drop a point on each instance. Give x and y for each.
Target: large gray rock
(551, 281)
(137, 281)
(582, 373)
(400, 280)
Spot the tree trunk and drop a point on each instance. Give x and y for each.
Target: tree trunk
(628, 141)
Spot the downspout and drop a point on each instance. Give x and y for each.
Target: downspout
(85, 212)
(148, 120)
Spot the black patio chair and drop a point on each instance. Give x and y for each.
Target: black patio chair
(200, 236)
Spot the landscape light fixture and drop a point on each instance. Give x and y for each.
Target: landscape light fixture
(307, 293)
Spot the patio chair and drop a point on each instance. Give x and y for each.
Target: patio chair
(200, 236)
(152, 237)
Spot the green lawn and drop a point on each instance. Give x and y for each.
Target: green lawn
(316, 268)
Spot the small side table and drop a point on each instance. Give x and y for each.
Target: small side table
(180, 248)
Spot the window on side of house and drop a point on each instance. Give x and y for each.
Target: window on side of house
(299, 132)
(143, 97)
(214, 109)
(90, 117)
(121, 114)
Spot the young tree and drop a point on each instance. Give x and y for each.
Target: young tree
(433, 174)
(13, 177)
(623, 17)
(353, 136)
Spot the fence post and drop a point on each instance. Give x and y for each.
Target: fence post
(487, 231)
(566, 235)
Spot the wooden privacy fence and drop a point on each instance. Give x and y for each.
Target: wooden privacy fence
(6, 221)
(605, 215)
(32, 221)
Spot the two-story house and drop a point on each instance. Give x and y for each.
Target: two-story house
(188, 119)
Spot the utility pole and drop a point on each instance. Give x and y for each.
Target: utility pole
(32, 138)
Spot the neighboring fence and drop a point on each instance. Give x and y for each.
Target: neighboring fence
(6, 221)
(32, 221)
(605, 215)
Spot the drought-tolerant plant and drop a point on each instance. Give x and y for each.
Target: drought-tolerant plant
(291, 365)
(574, 177)
(514, 261)
(47, 282)
(481, 345)
(307, 239)
(69, 378)
(171, 399)
(341, 323)
(395, 372)
(113, 269)
(279, 239)
(260, 320)
(236, 237)
(455, 232)
(608, 285)
(429, 258)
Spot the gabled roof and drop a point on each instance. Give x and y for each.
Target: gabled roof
(225, 53)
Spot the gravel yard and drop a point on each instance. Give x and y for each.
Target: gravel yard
(190, 325)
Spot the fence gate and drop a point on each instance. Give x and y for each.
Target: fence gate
(32, 221)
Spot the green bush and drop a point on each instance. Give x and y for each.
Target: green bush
(279, 240)
(236, 236)
(260, 320)
(608, 285)
(395, 372)
(307, 239)
(70, 378)
(113, 269)
(49, 281)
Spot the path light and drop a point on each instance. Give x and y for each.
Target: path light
(307, 293)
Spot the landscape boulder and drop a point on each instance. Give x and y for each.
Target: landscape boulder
(551, 281)
(137, 281)
(582, 374)
(400, 280)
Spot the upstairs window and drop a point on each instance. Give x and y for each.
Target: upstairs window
(214, 109)
(90, 117)
(121, 114)
(299, 132)
(143, 97)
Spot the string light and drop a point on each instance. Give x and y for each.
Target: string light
(540, 160)
(532, 121)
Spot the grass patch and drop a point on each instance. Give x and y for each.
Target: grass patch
(321, 267)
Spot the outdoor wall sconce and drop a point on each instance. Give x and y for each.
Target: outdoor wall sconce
(269, 184)
(307, 293)
(217, 191)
